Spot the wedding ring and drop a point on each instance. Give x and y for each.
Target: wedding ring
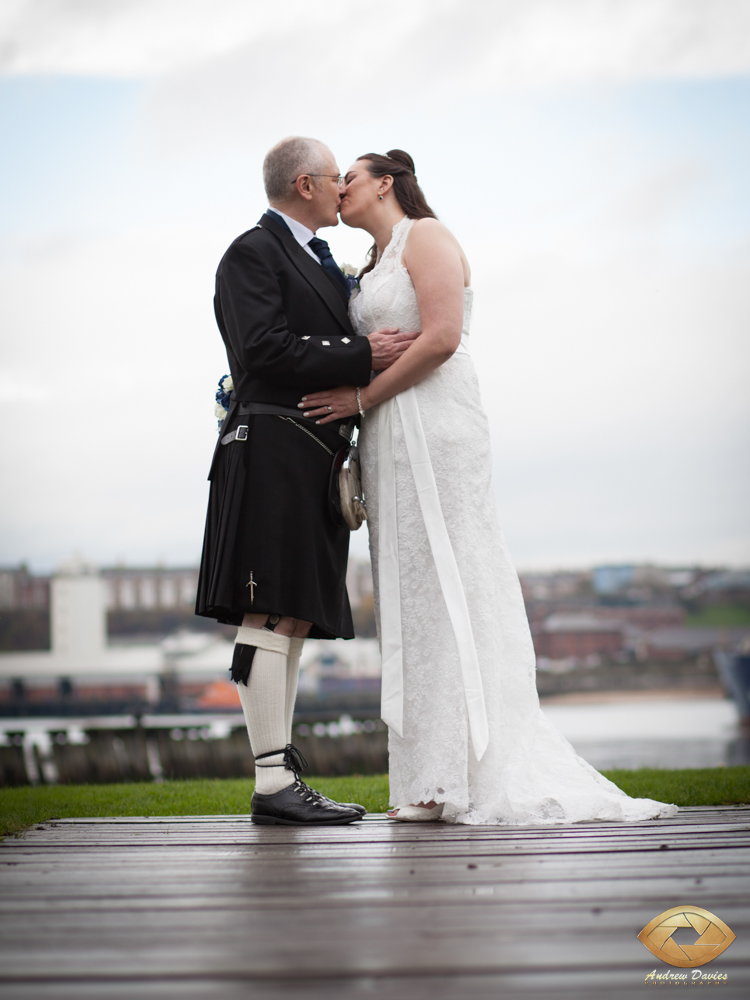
(330, 409)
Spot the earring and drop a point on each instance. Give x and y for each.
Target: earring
(380, 197)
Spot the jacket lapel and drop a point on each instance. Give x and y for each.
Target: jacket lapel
(310, 271)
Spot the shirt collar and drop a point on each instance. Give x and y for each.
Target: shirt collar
(301, 233)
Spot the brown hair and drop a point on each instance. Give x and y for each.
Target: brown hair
(400, 166)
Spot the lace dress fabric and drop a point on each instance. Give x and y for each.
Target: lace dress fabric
(528, 774)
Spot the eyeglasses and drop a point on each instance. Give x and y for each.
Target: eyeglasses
(339, 178)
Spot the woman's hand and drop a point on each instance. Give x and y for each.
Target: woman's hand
(333, 404)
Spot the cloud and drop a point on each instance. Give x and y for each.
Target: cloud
(133, 37)
(478, 44)
(615, 394)
(114, 342)
(548, 42)
(387, 64)
(653, 199)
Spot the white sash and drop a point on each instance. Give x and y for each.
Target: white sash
(392, 697)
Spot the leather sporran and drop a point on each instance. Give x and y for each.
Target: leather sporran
(346, 499)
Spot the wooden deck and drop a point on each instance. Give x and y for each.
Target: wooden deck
(214, 907)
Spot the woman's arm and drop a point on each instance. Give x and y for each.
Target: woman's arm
(435, 264)
(433, 260)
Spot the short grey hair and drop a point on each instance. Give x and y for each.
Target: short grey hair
(287, 160)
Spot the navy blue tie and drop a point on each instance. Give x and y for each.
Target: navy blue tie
(322, 251)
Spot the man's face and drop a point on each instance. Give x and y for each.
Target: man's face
(327, 193)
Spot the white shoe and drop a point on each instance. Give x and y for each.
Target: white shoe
(416, 814)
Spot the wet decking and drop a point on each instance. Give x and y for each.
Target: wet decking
(214, 907)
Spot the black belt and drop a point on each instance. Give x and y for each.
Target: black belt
(276, 410)
(271, 409)
(238, 434)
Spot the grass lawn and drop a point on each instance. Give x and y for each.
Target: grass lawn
(709, 786)
(22, 807)
(720, 616)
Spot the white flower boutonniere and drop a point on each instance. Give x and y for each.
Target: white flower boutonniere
(226, 384)
(350, 273)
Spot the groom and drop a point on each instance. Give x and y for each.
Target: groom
(274, 561)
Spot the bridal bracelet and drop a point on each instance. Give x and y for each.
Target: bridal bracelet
(359, 402)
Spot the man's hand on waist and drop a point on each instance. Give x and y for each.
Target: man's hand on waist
(388, 344)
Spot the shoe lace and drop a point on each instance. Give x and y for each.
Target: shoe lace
(294, 760)
(304, 791)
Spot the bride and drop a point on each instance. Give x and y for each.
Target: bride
(468, 742)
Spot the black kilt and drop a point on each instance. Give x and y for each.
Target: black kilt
(268, 515)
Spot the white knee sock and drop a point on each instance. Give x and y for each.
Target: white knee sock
(263, 701)
(292, 676)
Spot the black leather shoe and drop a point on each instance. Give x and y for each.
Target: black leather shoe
(299, 805)
(344, 805)
(352, 805)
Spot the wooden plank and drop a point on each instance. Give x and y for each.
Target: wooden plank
(733, 816)
(175, 838)
(276, 835)
(727, 812)
(579, 985)
(371, 833)
(160, 860)
(138, 923)
(119, 872)
(422, 887)
(427, 988)
(253, 873)
(624, 854)
(356, 941)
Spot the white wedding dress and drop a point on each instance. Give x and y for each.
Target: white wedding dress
(459, 692)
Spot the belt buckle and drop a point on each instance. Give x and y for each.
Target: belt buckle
(242, 432)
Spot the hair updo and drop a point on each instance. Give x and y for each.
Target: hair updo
(399, 165)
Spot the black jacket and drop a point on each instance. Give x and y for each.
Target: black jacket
(283, 320)
(286, 330)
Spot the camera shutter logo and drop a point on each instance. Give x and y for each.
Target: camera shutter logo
(713, 937)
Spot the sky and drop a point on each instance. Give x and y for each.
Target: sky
(591, 156)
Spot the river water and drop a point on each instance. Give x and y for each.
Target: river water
(660, 732)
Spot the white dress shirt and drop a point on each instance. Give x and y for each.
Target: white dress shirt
(301, 233)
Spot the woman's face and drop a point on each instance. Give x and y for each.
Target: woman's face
(359, 196)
